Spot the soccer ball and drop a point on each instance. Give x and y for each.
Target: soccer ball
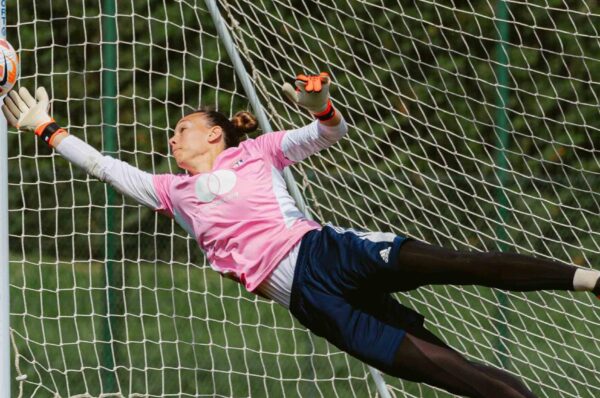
(9, 67)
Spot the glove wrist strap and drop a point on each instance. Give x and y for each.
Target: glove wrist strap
(327, 114)
(48, 131)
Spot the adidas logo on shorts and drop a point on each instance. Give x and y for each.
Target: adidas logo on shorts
(385, 254)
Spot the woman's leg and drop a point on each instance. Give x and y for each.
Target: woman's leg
(422, 264)
(424, 360)
(505, 377)
(490, 371)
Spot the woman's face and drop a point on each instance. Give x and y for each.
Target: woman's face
(193, 138)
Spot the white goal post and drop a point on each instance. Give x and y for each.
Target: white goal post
(473, 126)
(5, 382)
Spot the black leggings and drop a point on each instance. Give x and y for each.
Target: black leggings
(421, 264)
(423, 357)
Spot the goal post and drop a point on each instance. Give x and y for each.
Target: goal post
(472, 126)
(5, 366)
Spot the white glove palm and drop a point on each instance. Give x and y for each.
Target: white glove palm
(24, 112)
(311, 92)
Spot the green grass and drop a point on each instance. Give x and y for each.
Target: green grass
(187, 332)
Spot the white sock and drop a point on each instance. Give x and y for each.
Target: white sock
(585, 279)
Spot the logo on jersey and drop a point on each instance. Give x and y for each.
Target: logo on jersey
(238, 163)
(213, 185)
(385, 254)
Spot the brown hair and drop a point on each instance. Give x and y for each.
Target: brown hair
(243, 122)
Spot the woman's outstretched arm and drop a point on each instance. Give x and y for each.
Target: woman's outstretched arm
(312, 93)
(26, 113)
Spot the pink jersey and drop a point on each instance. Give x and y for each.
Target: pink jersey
(240, 213)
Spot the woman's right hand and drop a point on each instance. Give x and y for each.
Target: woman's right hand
(24, 112)
(27, 113)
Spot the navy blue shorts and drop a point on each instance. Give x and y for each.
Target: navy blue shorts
(338, 293)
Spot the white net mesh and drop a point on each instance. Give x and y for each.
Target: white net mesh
(472, 126)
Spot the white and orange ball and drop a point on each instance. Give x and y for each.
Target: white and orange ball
(9, 67)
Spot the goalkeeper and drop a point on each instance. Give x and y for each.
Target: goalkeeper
(337, 282)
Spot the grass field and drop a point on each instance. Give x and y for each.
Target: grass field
(187, 332)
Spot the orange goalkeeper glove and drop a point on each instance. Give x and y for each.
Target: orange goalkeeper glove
(312, 93)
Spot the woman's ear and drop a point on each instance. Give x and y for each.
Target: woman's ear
(216, 133)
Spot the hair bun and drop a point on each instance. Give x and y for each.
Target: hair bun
(244, 122)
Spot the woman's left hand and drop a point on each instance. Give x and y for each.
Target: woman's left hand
(311, 92)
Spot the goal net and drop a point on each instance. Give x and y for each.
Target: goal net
(472, 126)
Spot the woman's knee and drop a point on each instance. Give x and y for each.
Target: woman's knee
(420, 360)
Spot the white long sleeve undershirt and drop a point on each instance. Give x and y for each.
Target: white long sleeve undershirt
(297, 145)
(127, 179)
